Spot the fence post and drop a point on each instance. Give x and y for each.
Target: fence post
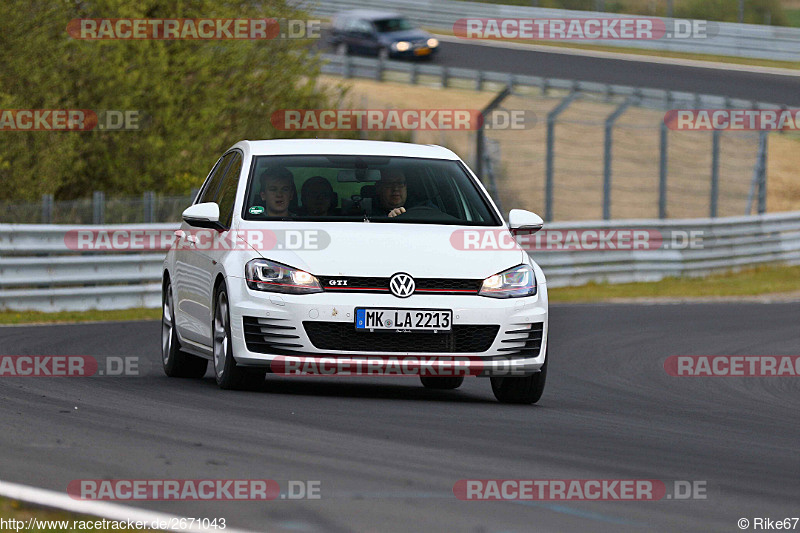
(662, 173)
(414, 73)
(714, 173)
(445, 77)
(759, 182)
(348, 66)
(379, 70)
(612, 118)
(98, 207)
(149, 203)
(551, 131)
(480, 142)
(762, 182)
(47, 209)
(480, 138)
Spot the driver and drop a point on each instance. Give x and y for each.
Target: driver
(277, 191)
(391, 192)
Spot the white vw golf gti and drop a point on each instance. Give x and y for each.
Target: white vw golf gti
(335, 250)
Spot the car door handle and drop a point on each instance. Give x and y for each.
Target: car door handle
(180, 234)
(192, 239)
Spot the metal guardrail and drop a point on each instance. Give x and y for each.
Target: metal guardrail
(732, 39)
(38, 271)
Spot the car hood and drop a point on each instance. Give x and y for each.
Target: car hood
(404, 35)
(383, 249)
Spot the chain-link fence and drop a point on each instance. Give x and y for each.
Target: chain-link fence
(587, 151)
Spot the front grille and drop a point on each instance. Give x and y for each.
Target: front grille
(270, 335)
(343, 337)
(523, 340)
(381, 285)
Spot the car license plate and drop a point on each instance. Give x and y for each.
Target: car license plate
(422, 51)
(402, 320)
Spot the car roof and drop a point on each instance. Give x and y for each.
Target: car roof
(369, 14)
(345, 147)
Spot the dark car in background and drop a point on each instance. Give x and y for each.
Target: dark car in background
(385, 34)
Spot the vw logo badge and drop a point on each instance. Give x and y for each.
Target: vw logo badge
(402, 285)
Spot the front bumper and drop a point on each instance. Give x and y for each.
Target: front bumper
(509, 351)
(415, 53)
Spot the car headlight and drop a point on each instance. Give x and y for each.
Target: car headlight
(402, 46)
(265, 275)
(433, 43)
(512, 283)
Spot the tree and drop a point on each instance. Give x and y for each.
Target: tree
(196, 97)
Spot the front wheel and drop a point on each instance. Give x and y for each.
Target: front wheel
(521, 390)
(177, 364)
(228, 375)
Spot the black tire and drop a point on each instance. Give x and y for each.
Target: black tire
(228, 375)
(520, 390)
(176, 363)
(448, 383)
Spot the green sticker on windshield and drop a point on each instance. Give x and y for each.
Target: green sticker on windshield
(256, 210)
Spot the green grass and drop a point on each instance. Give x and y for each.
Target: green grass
(12, 509)
(793, 17)
(752, 282)
(34, 317)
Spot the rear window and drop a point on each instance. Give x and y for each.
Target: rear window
(365, 188)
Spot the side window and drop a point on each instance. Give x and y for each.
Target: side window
(227, 191)
(351, 25)
(212, 183)
(359, 26)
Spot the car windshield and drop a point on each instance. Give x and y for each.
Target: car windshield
(343, 188)
(393, 24)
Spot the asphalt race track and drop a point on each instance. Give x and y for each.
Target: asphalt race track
(763, 87)
(388, 452)
(769, 88)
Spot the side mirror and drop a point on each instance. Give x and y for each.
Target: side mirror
(204, 215)
(519, 219)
